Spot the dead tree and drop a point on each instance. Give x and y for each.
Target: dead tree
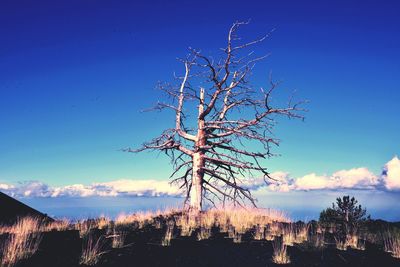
(208, 152)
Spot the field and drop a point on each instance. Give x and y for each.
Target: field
(214, 238)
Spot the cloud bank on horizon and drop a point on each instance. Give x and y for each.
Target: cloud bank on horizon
(356, 178)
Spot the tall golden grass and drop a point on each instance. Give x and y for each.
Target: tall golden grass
(118, 238)
(92, 250)
(166, 241)
(352, 240)
(22, 242)
(143, 218)
(84, 227)
(23, 238)
(237, 220)
(392, 244)
(280, 255)
(259, 232)
(204, 233)
(57, 225)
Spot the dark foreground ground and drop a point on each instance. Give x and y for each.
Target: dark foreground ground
(143, 248)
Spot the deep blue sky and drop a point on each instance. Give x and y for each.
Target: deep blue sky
(74, 76)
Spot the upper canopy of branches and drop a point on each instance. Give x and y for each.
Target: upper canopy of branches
(233, 111)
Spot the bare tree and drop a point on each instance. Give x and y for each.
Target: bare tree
(209, 152)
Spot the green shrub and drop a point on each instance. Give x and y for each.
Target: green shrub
(346, 216)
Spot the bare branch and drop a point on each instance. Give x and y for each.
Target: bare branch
(208, 144)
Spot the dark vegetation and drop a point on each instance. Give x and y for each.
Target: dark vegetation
(344, 236)
(346, 216)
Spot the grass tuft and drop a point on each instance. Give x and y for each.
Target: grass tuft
(392, 245)
(92, 250)
(166, 241)
(280, 255)
(22, 242)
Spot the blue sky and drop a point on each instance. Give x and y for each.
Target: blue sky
(74, 76)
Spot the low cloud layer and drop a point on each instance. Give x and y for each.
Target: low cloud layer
(123, 187)
(356, 178)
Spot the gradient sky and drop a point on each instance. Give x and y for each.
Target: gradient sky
(74, 76)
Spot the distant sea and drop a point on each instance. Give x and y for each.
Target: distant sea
(76, 208)
(298, 205)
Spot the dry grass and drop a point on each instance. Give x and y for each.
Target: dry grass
(392, 245)
(340, 244)
(92, 250)
(231, 221)
(84, 227)
(293, 234)
(204, 233)
(353, 241)
(166, 241)
(231, 232)
(280, 255)
(24, 237)
(237, 238)
(301, 233)
(158, 224)
(23, 241)
(269, 236)
(234, 222)
(186, 223)
(118, 238)
(243, 220)
(143, 218)
(58, 225)
(288, 235)
(240, 220)
(103, 222)
(208, 219)
(318, 240)
(275, 229)
(259, 233)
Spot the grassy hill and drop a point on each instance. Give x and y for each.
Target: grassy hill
(213, 238)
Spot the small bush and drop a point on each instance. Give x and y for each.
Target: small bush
(345, 217)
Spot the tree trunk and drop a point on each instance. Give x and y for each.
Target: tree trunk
(197, 183)
(196, 192)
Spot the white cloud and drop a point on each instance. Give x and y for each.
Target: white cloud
(356, 178)
(391, 174)
(5, 186)
(114, 188)
(312, 182)
(74, 191)
(281, 182)
(29, 189)
(140, 187)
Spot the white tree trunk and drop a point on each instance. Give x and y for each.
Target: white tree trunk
(196, 191)
(197, 181)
